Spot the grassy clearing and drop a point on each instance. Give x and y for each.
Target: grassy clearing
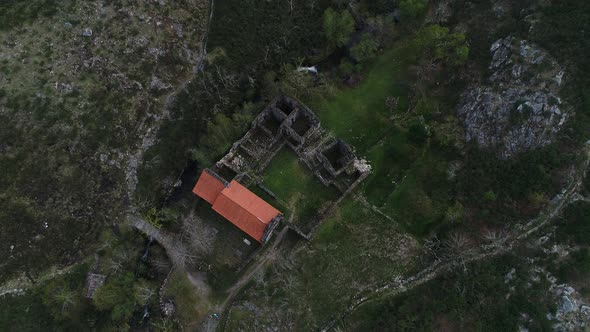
(294, 184)
(389, 159)
(353, 250)
(399, 151)
(360, 116)
(420, 200)
(190, 302)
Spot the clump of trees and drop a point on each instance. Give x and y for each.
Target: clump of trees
(443, 45)
(412, 8)
(365, 49)
(477, 298)
(222, 131)
(338, 27)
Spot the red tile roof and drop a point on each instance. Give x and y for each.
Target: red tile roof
(237, 204)
(208, 187)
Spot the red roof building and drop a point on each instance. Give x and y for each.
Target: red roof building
(239, 205)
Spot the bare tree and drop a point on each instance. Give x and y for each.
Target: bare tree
(494, 236)
(458, 243)
(199, 236)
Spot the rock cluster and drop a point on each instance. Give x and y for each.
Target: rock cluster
(572, 314)
(519, 108)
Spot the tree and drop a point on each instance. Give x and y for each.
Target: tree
(412, 8)
(443, 45)
(117, 296)
(144, 292)
(365, 49)
(490, 196)
(338, 27)
(454, 213)
(221, 132)
(60, 299)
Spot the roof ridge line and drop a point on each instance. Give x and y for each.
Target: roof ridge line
(242, 206)
(258, 197)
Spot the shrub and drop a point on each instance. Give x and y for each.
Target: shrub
(576, 224)
(117, 297)
(222, 131)
(417, 133)
(338, 27)
(412, 8)
(365, 49)
(490, 196)
(442, 45)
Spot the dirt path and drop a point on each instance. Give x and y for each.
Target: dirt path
(401, 285)
(270, 254)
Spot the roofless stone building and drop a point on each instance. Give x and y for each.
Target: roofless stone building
(288, 123)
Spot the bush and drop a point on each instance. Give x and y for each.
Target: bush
(576, 224)
(442, 45)
(117, 297)
(338, 27)
(412, 8)
(417, 133)
(222, 132)
(365, 49)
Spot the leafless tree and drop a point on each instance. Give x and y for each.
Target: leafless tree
(494, 236)
(458, 243)
(199, 236)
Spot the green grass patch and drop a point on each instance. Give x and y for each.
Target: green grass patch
(189, 304)
(292, 182)
(420, 200)
(408, 179)
(15, 13)
(351, 248)
(360, 115)
(390, 159)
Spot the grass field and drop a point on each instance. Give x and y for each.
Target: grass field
(398, 182)
(359, 116)
(298, 187)
(352, 250)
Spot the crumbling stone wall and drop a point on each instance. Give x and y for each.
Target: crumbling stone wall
(287, 122)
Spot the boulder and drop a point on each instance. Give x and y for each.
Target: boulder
(518, 108)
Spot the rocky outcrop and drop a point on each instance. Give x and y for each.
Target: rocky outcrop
(519, 108)
(572, 314)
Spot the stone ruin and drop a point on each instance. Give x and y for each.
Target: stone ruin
(285, 122)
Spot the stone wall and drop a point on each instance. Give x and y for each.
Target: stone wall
(287, 122)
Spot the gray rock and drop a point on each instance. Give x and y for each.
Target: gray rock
(572, 314)
(567, 305)
(518, 109)
(157, 85)
(87, 32)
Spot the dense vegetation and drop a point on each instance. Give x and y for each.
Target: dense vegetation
(562, 31)
(388, 85)
(60, 303)
(476, 299)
